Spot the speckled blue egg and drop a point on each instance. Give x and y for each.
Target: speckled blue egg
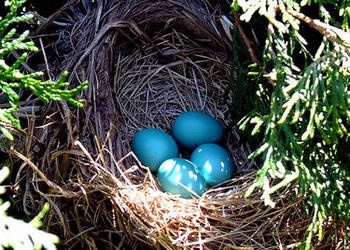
(153, 146)
(194, 128)
(214, 163)
(180, 176)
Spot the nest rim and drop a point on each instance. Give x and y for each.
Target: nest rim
(139, 212)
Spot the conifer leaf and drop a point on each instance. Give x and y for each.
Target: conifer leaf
(305, 132)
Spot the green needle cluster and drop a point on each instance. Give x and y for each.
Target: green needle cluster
(306, 127)
(12, 77)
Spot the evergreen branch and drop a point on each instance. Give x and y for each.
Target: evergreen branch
(306, 131)
(333, 34)
(12, 79)
(17, 234)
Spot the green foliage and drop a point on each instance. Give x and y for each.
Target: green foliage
(12, 79)
(306, 129)
(17, 234)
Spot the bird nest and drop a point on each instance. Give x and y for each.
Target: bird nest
(146, 62)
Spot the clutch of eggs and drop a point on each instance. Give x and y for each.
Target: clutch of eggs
(153, 146)
(180, 176)
(213, 162)
(193, 128)
(209, 165)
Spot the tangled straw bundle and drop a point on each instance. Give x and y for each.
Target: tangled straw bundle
(146, 62)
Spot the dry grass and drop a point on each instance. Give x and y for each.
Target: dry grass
(145, 63)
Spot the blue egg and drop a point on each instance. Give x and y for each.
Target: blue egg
(213, 162)
(153, 146)
(194, 128)
(180, 176)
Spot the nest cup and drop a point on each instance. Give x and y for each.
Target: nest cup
(146, 63)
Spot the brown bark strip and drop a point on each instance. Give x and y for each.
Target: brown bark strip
(247, 41)
(330, 32)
